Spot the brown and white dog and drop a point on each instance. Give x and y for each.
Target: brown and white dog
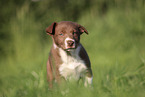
(67, 59)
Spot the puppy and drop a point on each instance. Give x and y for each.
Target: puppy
(68, 59)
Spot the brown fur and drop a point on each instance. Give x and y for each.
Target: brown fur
(58, 32)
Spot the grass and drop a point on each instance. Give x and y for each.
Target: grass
(115, 45)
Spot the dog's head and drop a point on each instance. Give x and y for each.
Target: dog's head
(66, 34)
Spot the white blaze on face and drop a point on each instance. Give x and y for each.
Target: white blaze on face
(68, 39)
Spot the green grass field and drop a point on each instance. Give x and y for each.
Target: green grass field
(115, 44)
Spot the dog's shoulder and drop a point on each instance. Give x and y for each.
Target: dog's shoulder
(84, 56)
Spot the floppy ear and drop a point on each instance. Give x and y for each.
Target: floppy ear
(82, 30)
(51, 29)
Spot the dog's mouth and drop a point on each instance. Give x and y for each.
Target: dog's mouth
(69, 49)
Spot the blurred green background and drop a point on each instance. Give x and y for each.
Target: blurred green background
(115, 44)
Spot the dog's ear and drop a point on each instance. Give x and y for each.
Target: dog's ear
(82, 30)
(51, 29)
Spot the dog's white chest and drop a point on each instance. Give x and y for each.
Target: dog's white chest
(73, 67)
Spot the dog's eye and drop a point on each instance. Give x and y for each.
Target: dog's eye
(74, 33)
(61, 34)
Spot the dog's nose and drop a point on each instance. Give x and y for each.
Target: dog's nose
(70, 43)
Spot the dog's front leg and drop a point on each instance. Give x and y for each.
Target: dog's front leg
(88, 78)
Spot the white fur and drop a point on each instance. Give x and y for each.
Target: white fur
(72, 67)
(54, 45)
(88, 80)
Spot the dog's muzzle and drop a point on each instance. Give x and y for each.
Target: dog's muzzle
(69, 44)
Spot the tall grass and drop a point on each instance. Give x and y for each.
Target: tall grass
(115, 45)
(24, 57)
